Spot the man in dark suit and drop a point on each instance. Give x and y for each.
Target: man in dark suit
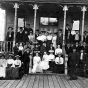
(68, 48)
(59, 40)
(77, 47)
(26, 60)
(43, 48)
(28, 29)
(19, 36)
(69, 37)
(85, 47)
(36, 33)
(66, 30)
(9, 38)
(85, 38)
(25, 37)
(16, 49)
(74, 59)
(82, 62)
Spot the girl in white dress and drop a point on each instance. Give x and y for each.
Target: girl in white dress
(45, 61)
(2, 66)
(36, 63)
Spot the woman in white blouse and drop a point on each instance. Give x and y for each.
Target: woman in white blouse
(59, 61)
(16, 69)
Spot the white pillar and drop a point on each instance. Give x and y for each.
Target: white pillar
(16, 6)
(35, 7)
(83, 17)
(65, 8)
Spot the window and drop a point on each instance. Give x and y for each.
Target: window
(20, 22)
(48, 21)
(2, 24)
(75, 26)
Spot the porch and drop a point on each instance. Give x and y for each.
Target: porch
(45, 81)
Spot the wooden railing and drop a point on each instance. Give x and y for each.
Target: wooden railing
(6, 46)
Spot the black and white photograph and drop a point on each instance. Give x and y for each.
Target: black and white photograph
(43, 43)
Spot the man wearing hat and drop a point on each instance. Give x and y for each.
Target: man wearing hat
(74, 60)
(17, 65)
(26, 60)
(9, 68)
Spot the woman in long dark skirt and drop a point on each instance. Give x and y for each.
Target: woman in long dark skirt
(16, 69)
(9, 68)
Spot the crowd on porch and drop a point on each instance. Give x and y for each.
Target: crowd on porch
(43, 52)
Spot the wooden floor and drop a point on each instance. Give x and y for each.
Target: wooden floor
(45, 81)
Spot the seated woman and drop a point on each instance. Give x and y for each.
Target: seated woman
(36, 63)
(2, 66)
(51, 59)
(59, 64)
(17, 65)
(9, 68)
(45, 61)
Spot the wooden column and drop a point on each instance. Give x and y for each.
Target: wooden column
(65, 8)
(83, 17)
(35, 7)
(16, 6)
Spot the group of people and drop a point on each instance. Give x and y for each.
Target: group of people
(46, 50)
(10, 67)
(51, 61)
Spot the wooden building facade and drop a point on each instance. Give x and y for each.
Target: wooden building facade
(65, 11)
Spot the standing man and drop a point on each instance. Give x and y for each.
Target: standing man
(19, 36)
(9, 38)
(69, 37)
(74, 59)
(85, 39)
(82, 62)
(59, 40)
(66, 30)
(26, 60)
